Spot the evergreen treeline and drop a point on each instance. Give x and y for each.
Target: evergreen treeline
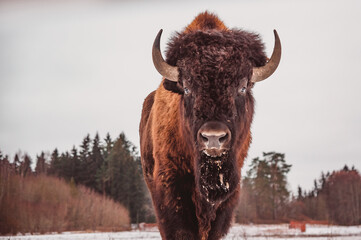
(111, 168)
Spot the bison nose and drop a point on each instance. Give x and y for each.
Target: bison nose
(214, 135)
(214, 139)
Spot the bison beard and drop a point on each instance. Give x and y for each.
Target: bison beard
(195, 128)
(217, 177)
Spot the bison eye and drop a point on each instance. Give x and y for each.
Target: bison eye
(186, 91)
(243, 90)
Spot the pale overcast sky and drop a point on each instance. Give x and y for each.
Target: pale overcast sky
(69, 69)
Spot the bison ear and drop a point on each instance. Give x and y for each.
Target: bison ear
(172, 86)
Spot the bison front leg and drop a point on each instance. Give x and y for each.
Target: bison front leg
(175, 210)
(222, 223)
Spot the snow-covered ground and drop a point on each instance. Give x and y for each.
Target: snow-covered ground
(253, 232)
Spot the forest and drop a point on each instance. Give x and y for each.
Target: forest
(99, 186)
(334, 199)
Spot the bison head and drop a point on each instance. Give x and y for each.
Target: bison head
(214, 72)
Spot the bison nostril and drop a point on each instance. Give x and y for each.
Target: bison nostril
(223, 138)
(204, 138)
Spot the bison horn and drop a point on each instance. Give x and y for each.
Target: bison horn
(166, 70)
(261, 73)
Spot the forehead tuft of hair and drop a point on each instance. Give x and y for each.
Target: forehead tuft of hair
(205, 21)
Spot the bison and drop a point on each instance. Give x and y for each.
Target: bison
(195, 128)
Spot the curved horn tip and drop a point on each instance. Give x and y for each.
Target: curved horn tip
(160, 33)
(261, 73)
(166, 70)
(156, 42)
(276, 35)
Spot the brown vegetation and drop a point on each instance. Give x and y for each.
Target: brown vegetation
(335, 199)
(47, 204)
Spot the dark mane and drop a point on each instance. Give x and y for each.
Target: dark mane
(241, 44)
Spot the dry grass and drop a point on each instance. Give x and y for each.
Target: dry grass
(46, 204)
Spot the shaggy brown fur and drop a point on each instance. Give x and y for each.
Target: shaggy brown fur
(215, 64)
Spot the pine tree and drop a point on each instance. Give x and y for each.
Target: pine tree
(118, 171)
(54, 168)
(345, 168)
(75, 165)
(65, 166)
(268, 181)
(84, 158)
(322, 181)
(279, 170)
(95, 162)
(108, 146)
(262, 188)
(25, 166)
(41, 165)
(299, 193)
(17, 163)
(102, 176)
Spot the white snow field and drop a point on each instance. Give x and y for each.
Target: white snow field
(253, 232)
